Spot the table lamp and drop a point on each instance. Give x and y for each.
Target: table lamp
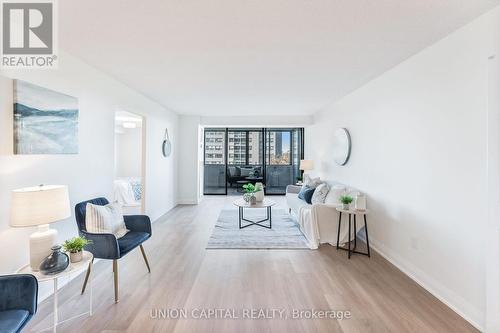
(39, 206)
(306, 165)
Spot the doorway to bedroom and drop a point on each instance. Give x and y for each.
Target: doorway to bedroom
(129, 162)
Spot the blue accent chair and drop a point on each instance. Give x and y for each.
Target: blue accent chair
(107, 246)
(18, 301)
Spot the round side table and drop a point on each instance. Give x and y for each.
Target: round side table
(77, 267)
(352, 216)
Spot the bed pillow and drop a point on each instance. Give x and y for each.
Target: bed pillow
(306, 194)
(136, 189)
(106, 219)
(320, 194)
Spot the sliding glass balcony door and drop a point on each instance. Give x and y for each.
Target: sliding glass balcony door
(238, 156)
(214, 171)
(284, 148)
(245, 158)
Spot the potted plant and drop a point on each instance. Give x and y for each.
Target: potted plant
(249, 195)
(75, 247)
(346, 200)
(299, 180)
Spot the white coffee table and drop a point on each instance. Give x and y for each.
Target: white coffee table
(267, 204)
(73, 268)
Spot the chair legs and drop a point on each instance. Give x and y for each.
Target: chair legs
(87, 276)
(115, 273)
(145, 258)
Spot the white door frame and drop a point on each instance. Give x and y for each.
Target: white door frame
(143, 153)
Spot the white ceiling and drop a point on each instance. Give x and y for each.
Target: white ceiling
(259, 57)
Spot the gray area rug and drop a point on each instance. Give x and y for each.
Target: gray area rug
(285, 233)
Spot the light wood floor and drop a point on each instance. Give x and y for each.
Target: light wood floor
(187, 276)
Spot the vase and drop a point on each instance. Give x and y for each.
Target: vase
(360, 203)
(345, 206)
(253, 200)
(76, 256)
(55, 263)
(259, 196)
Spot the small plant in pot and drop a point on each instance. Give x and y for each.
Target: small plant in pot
(74, 247)
(249, 195)
(346, 200)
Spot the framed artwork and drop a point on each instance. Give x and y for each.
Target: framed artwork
(45, 121)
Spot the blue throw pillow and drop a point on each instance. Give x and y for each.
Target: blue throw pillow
(306, 194)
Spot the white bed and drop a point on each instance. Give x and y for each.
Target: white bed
(128, 192)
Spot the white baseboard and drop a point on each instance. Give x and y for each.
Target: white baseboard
(455, 302)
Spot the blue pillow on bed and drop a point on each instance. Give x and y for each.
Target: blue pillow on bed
(306, 194)
(136, 189)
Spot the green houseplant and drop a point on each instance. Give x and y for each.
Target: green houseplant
(74, 246)
(249, 195)
(346, 200)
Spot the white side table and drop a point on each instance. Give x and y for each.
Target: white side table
(76, 267)
(352, 215)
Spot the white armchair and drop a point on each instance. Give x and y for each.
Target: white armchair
(318, 222)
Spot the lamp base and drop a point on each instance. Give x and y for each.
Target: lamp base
(40, 243)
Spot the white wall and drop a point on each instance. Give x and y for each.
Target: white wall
(419, 136)
(493, 235)
(128, 152)
(252, 121)
(188, 160)
(91, 172)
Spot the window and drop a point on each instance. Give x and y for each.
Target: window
(278, 148)
(272, 153)
(214, 147)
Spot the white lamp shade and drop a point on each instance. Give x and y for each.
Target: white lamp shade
(306, 165)
(32, 206)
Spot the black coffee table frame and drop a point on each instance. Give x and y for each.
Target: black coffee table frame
(258, 223)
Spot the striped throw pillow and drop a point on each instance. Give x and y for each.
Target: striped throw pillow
(106, 219)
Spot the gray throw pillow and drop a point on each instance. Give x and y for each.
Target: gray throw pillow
(245, 172)
(320, 194)
(311, 182)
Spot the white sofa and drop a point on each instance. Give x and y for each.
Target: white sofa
(319, 222)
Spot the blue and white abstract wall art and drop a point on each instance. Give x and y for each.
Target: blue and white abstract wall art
(45, 121)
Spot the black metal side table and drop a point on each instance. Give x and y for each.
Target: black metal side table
(352, 217)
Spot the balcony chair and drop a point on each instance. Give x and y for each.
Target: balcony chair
(18, 301)
(107, 246)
